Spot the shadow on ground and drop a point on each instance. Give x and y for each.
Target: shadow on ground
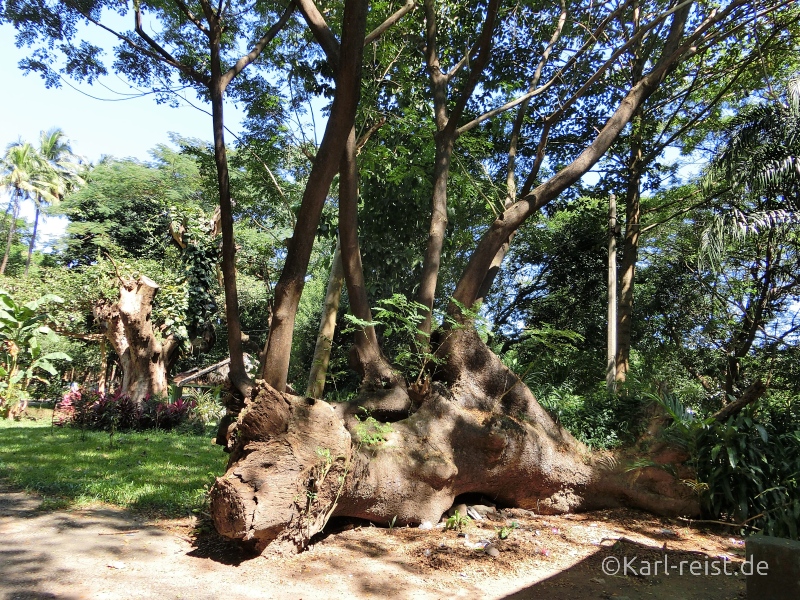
(633, 571)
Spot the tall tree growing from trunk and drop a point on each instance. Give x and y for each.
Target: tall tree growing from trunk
(478, 429)
(447, 131)
(336, 153)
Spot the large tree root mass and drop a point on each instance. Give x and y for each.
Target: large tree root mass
(296, 462)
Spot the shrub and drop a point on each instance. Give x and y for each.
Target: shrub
(748, 469)
(599, 420)
(208, 408)
(117, 412)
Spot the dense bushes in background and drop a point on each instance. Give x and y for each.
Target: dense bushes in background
(748, 466)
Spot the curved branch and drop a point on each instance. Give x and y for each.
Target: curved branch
(258, 47)
(160, 53)
(321, 31)
(391, 20)
(191, 16)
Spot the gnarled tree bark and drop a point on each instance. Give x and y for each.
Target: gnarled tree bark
(128, 327)
(295, 463)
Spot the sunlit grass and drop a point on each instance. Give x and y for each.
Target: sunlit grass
(161, 473)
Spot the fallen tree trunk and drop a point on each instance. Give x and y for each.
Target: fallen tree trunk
(295, 462)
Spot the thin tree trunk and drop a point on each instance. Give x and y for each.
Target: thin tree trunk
(327, 327)
(438, 227)
(111, 386)
(445, 138)
(238, 373)
(12, 227)
(630, 248)
(630, 253)
(369, 361)
(33, 241)
(292, 279)
(611, 375)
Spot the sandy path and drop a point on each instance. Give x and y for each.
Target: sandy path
(86, 554)
(104, 553)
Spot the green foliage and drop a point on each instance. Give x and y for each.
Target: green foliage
(747, 468)
(199, 257)
(549, 306)
(598, 419)
(752, 474)
(207, 408)
(124, 208)
(457, 521)
(22, 358)
(398, 319)
(370, 431)
(504, 532)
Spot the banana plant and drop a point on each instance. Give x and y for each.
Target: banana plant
(22, 358)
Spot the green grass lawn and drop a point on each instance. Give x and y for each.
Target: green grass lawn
(164, 474)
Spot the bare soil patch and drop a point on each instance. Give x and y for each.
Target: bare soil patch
(107, 553)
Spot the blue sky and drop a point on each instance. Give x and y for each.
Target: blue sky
(128, 128)
(123, 128)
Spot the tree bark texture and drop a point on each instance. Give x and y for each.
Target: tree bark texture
(296, 462)
(129, 329)
(433, 251)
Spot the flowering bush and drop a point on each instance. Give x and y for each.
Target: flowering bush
(117, 412)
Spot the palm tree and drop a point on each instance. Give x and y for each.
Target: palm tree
(754, 185)
(753, 180)
(759, 162)
(58, 172)
(19, 165)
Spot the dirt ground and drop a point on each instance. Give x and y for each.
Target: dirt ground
(107, 553)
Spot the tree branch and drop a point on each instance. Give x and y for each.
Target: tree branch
(368, 133)
(162, 54)
(549, 83)
(191, 16)
(394, 18)
(484, 46)
(321, 31)
(480, 261)
(750, 395)
(258, 47)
